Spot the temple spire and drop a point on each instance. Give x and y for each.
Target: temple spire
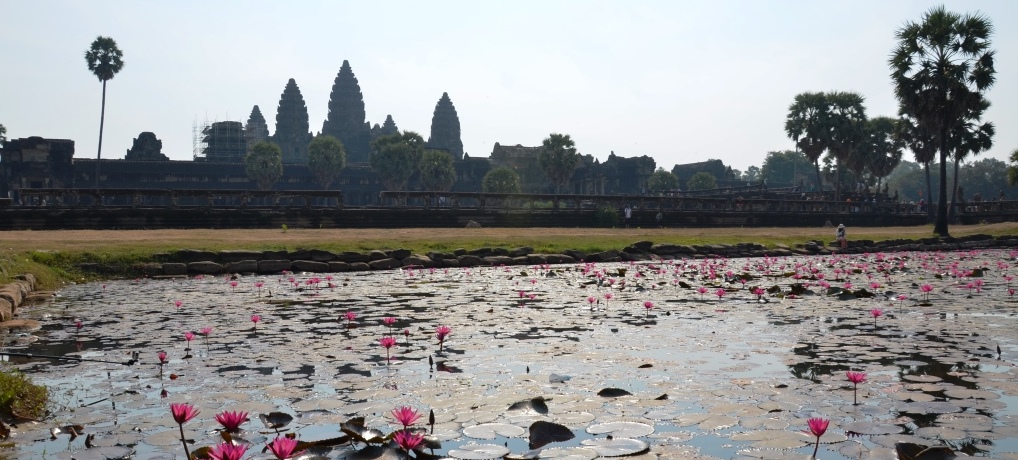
(256, 129)
(445, 128)
(292, 130)
(346, 116)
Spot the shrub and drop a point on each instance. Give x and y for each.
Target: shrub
(20, 397)
(606, 217)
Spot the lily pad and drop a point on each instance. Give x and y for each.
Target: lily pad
(493, 430)
(479, 452)
(618, 447)
(621, 429)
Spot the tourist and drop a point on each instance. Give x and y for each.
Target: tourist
(628, 213)
(840, 234)
(659, 217)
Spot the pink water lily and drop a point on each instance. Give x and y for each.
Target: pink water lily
(702, 290)
(283, 448)
(387, 342)
(228, 451)
(406, 415)
(759, 292)
(231, 421)
(876, 313)
(817, 427)
(408, 441)
(720, 293)
(442, 332)
(856, 378)
(178, 303)
(648, 305)
(926, 289)
(350, 316)
(255, 319)
(183, 412)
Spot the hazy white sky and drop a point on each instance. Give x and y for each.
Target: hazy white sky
(679, 81)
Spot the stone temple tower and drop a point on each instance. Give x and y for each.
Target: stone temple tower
(445, 128)
(292, 132)
(346, 116)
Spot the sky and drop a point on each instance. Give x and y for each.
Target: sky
(680, 81)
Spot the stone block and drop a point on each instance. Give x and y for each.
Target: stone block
(12, 294)
(242, 266)
(29, 278)
(204, 267)
(359, 266)
(174, 268)
(319, 255)
(195, 255)
(521, 251)
(300, 254)
(450, 262)
(273, 266)
(309, 266)
(575, 254)
(351, 257)
(273, 255)
(6, 310)
(377, 255)
(418, 260)
(385, 264)
(536, 259)
(239, 255)
(468, 260)
(498, 260)
(399, 253)
(337, 266)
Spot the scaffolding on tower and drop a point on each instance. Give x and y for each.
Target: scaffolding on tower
(218, 141)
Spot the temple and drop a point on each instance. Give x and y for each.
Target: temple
(346, 116)
(445, 128)
(220, 148)
(292, 134)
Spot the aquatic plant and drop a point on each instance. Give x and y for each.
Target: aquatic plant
(255, 319)
(283, 448)
(387, 342)
(817, 426)
(231, 421)
(183, 412)
(441, 332)
(408, 441)
(406, 415)
(856, 378)
(228, 451)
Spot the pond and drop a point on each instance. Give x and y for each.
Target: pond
(710, 358)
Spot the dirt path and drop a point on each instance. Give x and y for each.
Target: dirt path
(143, 240)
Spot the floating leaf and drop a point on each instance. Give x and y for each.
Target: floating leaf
(621, 429)
(569, 453)
(613, 392)
(618, 447)
(543, 433)
(275, 420)
(493, 430)
(537, 405)
(356, 429)
(909, 451)
(478, 451)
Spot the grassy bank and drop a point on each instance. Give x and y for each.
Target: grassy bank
(54, 256)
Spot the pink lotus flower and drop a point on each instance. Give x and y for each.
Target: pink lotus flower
(759, 292)
(178, 303)
(407, 440)
(926, 289)
(591, 300)
(608, 296)
(389, 321)
(406, 415)
(255, 319)
(441, 332)
(181, 414)
(78, 324)
(648, 305)
(231, 421)
(227, 451)
(162, 357)
(817, 426)
(283, 448)
(387, 342)
(856, 378)
(189, 336)
(720, 293)
(205, 331)
(876, 313)
(702, 290)
(350, 316)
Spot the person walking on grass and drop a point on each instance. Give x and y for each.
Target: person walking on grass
(840, 234)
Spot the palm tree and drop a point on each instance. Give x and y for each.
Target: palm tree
(846, 120)
(558, 159)
(968, 138)
(940, 69)
(884, 147)
(104, 61)
(924, 150)
(806, 125)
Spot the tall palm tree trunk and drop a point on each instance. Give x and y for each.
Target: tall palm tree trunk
(820, 183)
(102, 120)
(954, 194)
(940, 225)
(929, 193)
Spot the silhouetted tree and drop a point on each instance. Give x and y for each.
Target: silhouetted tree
(662, 180)
(501, 180)
(438, 172)
(264, 165)
(394, 158)
(104, 61)
(940, 69)
(326, 159)
(702, 181)
(558, 159)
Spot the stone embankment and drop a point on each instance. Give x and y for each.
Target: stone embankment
(13, 295)
(197, 262)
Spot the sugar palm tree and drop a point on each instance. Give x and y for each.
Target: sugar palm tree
(558, 159)
(104, 61)
(806, 125)
(940, 69)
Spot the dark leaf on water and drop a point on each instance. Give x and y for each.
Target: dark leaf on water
(442, 367)
(684, 285)
(774, 289)
(355, 429)
(275, 420)
(862, 293)
(201, 452)
(613, 392)
(537, 405)
(662, 397)
(645, 366)
(543, 433)
(909, 451)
